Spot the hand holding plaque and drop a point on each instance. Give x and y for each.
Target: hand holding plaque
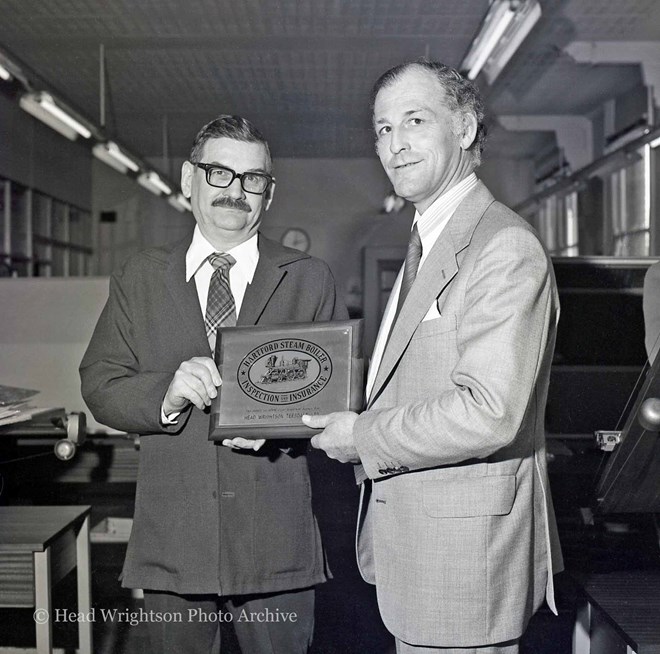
(275, 374)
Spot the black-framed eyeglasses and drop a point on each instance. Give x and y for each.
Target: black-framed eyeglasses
(222, 177)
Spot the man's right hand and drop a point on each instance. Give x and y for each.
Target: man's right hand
(196, 381)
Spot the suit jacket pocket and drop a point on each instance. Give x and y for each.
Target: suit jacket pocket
(468, 498)
(441, 325)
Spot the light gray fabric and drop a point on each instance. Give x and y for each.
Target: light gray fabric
(405, 648)
(457, 528)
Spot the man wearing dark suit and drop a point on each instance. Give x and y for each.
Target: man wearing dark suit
(220, 534)
(456, 526)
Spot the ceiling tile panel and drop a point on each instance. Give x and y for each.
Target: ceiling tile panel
(611, 20)
(302, 69)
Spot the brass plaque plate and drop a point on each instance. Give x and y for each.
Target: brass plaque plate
(273, 375)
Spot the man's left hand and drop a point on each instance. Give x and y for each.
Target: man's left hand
(336, 439)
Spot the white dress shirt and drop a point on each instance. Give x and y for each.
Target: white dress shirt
(430, 225)
(240, 274)
(200, 269)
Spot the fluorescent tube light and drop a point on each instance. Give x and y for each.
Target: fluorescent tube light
(505, 27)
(5, 74)
(655, 142)
(102, 154)
(180, 202)
(525, 19)
(110, 154)
(499, 17)
(48, 103)
(28, 104)
(43, 106)
(115, 151)
(152, 182)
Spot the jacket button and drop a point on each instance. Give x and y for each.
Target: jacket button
(404, 469)
(382, 471)
(215, 495)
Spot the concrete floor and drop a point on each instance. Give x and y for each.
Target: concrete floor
(347, 620)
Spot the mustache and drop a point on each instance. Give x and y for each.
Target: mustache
(231, 203)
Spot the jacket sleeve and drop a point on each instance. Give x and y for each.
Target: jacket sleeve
(117, 393)
(502, 337)
(330, 307)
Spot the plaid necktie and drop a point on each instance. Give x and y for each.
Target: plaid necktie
(220, 305)
(413, 255)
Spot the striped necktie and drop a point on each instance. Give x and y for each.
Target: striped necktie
(413, 255)
(220, 305)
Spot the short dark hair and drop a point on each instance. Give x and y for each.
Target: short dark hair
(231, 127)
(462, 95)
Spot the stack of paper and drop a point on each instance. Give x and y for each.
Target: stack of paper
(14, 405)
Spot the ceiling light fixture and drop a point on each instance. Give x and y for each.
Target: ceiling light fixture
(392, 203)
(31, 106)
(180, 202)
(5, 74)
(499, 16)
(152, 182)
(43, 106)
(504, 28)
(111, 154)
(59, 116)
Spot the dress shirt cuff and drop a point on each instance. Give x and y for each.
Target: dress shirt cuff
(360, 474)
(172, 419)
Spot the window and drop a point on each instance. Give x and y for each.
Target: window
(41, 236)
(557, 224)
(627, 205)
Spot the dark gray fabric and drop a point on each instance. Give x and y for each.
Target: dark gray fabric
(280, 623)
(208, 519)
(413, 256)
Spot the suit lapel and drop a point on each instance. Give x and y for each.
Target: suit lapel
(184, 295)
(438, 270)
(267, 277)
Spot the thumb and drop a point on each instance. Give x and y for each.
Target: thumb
(317, 422)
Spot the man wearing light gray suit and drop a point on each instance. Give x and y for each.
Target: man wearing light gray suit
(456, 526)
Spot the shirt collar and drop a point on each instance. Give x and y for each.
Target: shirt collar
(246, 254)
(449, 200)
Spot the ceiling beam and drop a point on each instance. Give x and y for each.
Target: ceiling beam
(574, 134)
(644, 53)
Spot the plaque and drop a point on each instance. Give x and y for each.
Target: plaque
(275, 374)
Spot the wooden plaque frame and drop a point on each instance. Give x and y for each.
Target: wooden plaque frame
(274, 374)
